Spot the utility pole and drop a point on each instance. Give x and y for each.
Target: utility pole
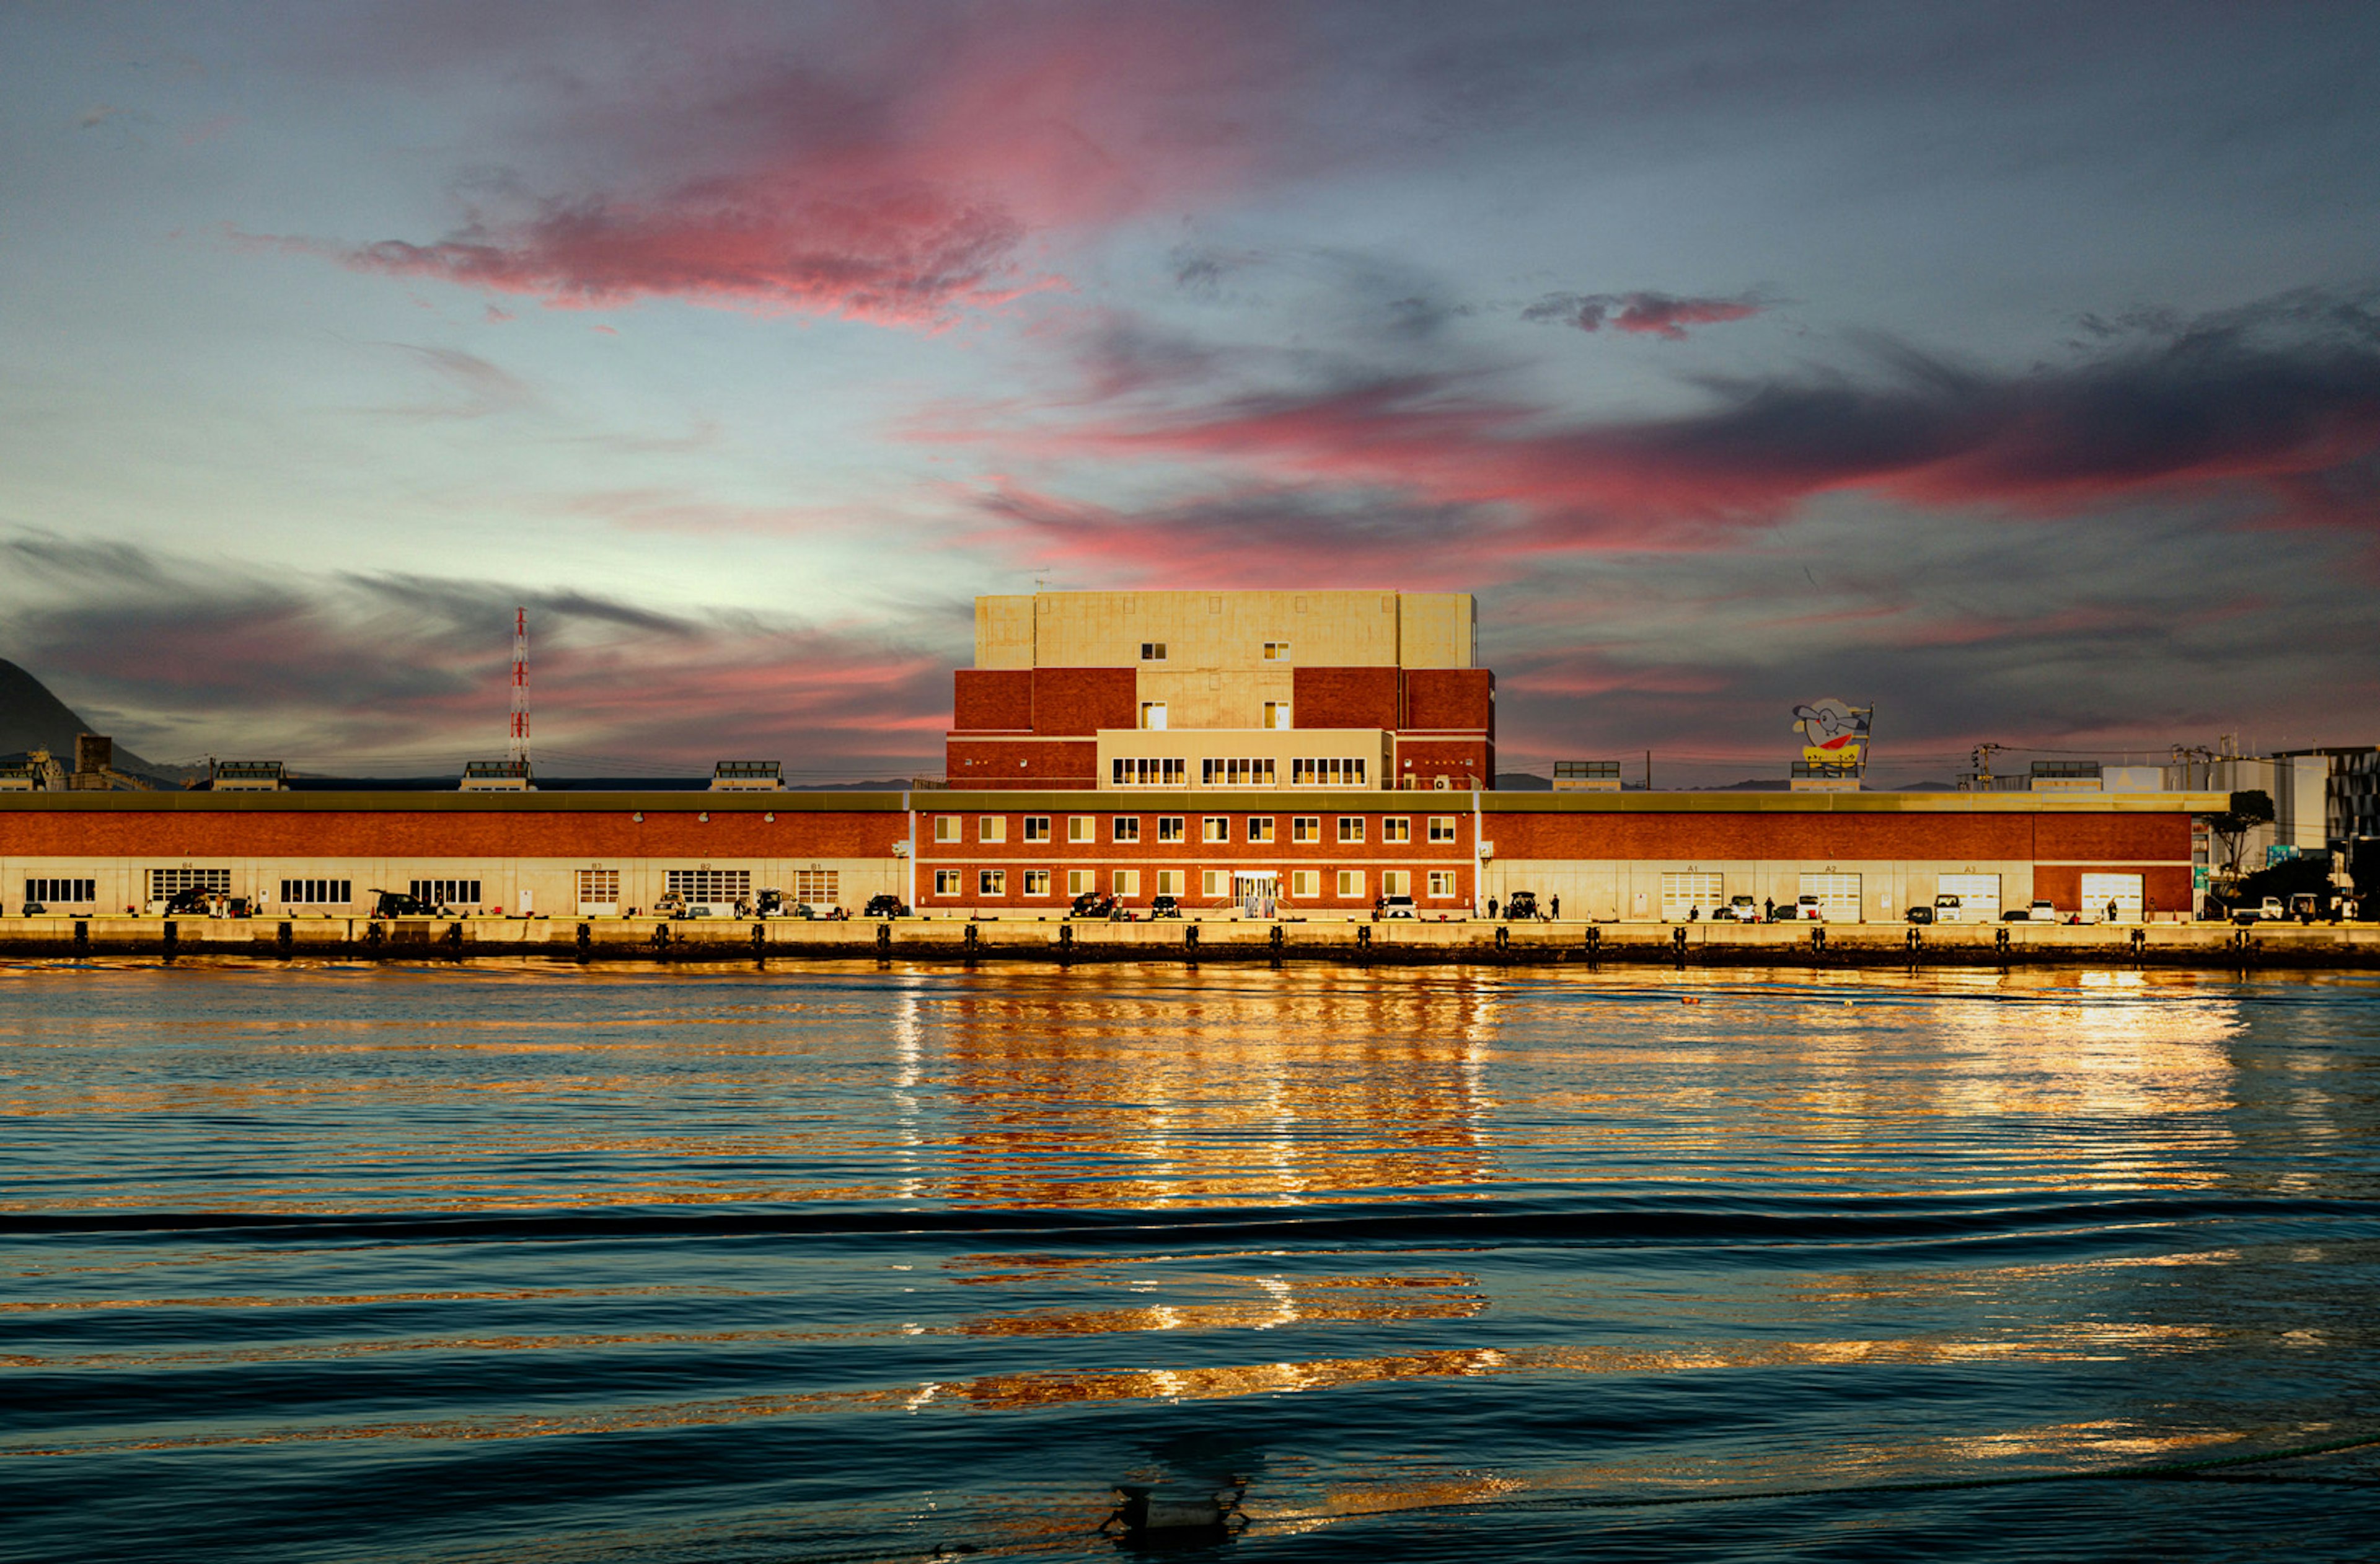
(1648, 770)
(519, 751)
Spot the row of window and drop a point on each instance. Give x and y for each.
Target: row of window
(1252, 771)
(1274, 651)
(48, 890)
(1213, 883)
(317, 893)
(1175, 828)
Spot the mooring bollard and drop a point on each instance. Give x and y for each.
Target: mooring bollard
(1190, 938)
(1503, 937)
(2000, 944)
(1818, 941)
(660, 937)
(1065, 943)
(82, 938)
(883, 937)
(759, 938)
(1678, 943)
(455, 940)
(1594, 945)
(284, 937)
(172, 938)
(2140, 946)
(585, 941)
(1276, 944)
(970, 941)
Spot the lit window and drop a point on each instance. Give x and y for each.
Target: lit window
(1305, 827)
(1275, 651)
(1082, 827)
(1328, 771)
(1254, 772)
(1441, 883)
(1152, 652)
(991, 828)
(1351, 828)
(1142, 772)
(1126, 828)
(1351, 882)
(1276, 713)
(1172, 827)
(991, 882)
(1169, 882)
(1259, 828)
(1036, 882)
(1218, 829)
(1306, 883)
(946, 828)
(1214, 883)
(1441, 827)
(1396, 830)
(946, 882)
(1080, 880)
(1127, 882)
(1036, 828)
(1152, 714)
(1396, 882)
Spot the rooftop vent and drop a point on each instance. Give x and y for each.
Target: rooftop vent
(747, 776)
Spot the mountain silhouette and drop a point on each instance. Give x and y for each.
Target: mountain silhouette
(31, 717)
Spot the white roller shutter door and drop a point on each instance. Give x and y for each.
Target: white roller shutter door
(1680, 894)
(2124, 890)
(1979, 896)
(1838, 894)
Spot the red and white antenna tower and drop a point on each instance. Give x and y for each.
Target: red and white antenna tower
(519, 755)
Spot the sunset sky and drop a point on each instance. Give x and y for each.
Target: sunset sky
(2015, 369)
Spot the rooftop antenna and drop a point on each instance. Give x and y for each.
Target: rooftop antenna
(519, 752)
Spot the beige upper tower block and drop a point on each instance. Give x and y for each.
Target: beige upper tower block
(1227, 631)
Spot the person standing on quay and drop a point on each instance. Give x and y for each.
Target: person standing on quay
(1556, 905)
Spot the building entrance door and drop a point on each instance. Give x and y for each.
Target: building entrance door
(1256, 891)
(2124, 890)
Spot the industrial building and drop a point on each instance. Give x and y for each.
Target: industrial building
(1297, 754)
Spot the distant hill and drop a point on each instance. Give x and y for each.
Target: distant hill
(31, 717)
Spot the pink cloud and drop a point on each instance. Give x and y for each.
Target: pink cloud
(897, 186)
(1643, 313)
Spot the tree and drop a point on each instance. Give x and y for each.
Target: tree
(2250, 809)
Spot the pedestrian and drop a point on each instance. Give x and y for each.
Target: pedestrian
(1491, 909)
(2111, 912)
(1557, 906)
(1768, 909)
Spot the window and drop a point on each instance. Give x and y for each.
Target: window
(1169, 882)
(1080, 880)
(820, 888)
(438, 892)
(1441, 883)
(1275, 651)
(1152, 652)
(991, 828)
(300, 892)
(1441, 827)
(1306, 883)
(1396, 882)
(946, 828)
(1152, 714)
(1351, 828)
(708, 885)
(1127, 882)
(1036, 882)
(165, 882)
(1036, 828)
(1253, 772)
(1172, 827)
(1082, 827)
(48, 890)
(1124, 828)
(1396, 829)
(991, 882)
(1328, 771)
(1214, 883)
(1133, 772)
(598, 888)
(1305, 827)
(1259, 828)
(1276, 713)
(1218, 829)
(946, 882)
(1351, 882)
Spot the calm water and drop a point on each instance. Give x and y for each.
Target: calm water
(493, 1264)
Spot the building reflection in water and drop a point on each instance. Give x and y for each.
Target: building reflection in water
(1144, 1090)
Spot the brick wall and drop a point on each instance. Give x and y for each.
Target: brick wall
(1006, 762)
(171, 836)
(995, 699)
(1080, 701)
(1456, 698)
(1344, 697)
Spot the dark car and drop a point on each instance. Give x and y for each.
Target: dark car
(1090, 903)
(1921, 915)
(884, 905)
(1521, 905)
(396, 904)
(1165, 906)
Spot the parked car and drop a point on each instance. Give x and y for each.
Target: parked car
(1393, 907)
(1947, 908)
(33, 909)
(1805, 909)
(1739, 909)
(884, 905)
(397, 904)
(1090, 903)
(2039, 911)
(671, 904)
(1922, 915)
(1165, 906)
(1518, 904)
(2269, 910)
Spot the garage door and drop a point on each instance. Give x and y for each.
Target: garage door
(2124, 890)
(1681, 893)
(1979, 897)
(1838, 894)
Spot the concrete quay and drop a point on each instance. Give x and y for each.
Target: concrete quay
(2211, 946)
